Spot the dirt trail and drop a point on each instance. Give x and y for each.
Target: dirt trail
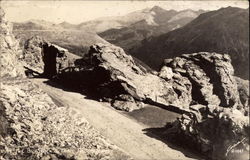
(124, 132)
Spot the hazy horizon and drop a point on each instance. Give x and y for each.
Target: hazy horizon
(76, 12)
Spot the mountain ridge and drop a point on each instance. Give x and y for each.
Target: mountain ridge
(160, 22)
(222, 31)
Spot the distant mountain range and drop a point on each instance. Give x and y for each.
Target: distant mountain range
(129, 29)
(64, 34)
(223, 31)
(76, 42)
(153, 22)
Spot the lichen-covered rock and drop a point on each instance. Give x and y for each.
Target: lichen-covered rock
(33, 127)
(9, 50)
(211, 76)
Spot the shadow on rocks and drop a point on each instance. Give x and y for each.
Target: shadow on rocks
(173, 142)
(73, 87)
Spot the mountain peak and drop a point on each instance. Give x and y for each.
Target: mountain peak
(157, 9)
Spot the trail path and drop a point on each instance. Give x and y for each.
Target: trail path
(121, 130)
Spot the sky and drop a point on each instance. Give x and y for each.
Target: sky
(75, 12)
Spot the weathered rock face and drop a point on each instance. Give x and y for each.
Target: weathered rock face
(45, 58)
(9, 50)
(183, 87)
(32, 54)
(211, 76)
(115, 74)
(216, 123)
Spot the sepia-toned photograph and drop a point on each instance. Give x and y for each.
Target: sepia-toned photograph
(124, 80)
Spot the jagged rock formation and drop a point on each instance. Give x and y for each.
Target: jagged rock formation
(217, 122)
(9, 48)
(116, 77)
(32, 54)
(211, 76)
(46, 58)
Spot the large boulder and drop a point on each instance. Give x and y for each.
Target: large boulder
(43, 57)
(117, 78)
(9, 50)
(130, 78)
(32, 54)
(211, 76)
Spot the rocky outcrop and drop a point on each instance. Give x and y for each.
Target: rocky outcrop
(216, 122)
(32, 54)
(9, 50)
(118, 79)
(45, 58)
(211, 76)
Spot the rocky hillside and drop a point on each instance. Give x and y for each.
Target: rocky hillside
(158, 21)
(32, 126)
(223, 31)
(10, 50)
